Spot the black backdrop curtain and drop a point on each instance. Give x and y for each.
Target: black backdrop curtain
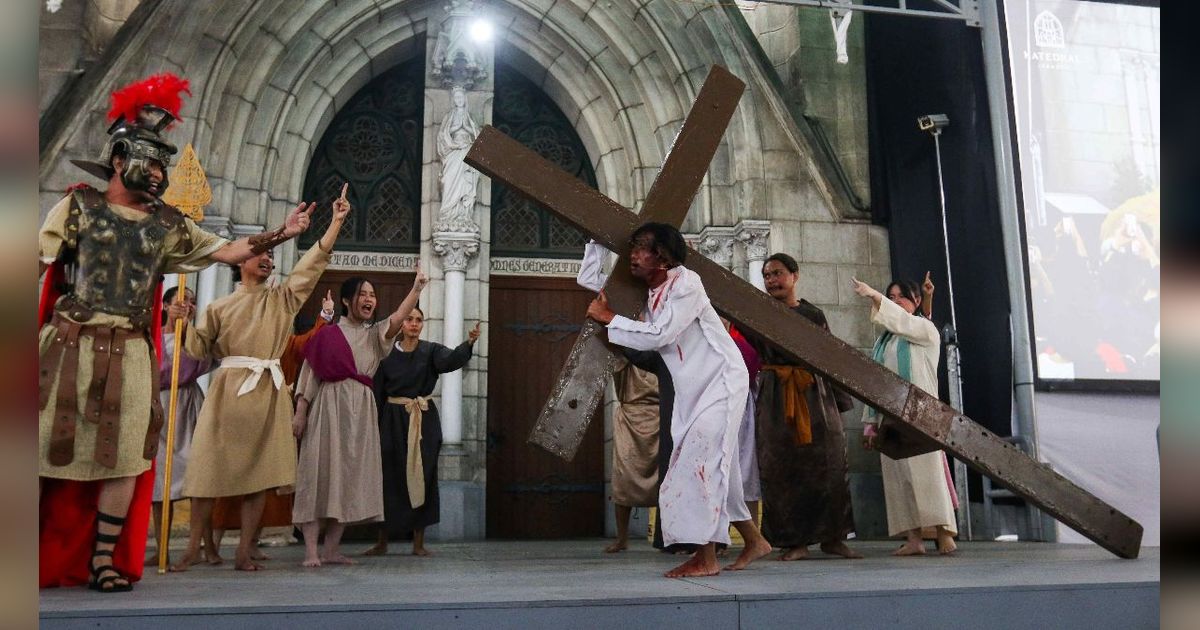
(919, 66)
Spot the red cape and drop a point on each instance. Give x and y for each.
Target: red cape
(67, 510)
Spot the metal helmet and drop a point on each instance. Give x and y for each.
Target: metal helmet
(140, 113)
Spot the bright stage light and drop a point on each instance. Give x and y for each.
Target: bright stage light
(481, 31)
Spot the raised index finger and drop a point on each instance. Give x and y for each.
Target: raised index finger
(345, 187)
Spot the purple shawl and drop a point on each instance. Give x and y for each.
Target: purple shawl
(329, 356)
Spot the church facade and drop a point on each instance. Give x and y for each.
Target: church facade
(290, 99)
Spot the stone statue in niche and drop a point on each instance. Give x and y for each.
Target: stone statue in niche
(459, 181)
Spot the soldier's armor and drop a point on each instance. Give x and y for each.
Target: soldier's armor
(114, 263)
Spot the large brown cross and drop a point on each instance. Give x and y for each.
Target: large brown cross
(914, 421)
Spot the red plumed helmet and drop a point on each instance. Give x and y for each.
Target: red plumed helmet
(160, 90)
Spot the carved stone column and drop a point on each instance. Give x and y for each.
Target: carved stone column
(455, 250)
(716, 243)
(754, 235)
(206, 285)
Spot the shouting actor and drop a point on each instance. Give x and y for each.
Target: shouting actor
(801, 445)
(339, 480)
(243, 445)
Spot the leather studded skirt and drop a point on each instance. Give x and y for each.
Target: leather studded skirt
(99, 402)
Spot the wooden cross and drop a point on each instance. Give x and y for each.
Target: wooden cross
(914, 421)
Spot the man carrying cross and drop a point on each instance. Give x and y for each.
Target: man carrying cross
(702, 491)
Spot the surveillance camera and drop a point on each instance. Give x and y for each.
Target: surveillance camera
(931, 122)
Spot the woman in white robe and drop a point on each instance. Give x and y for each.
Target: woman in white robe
(916, 488)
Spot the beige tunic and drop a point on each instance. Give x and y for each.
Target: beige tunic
(340, 474)
(244, 444)
(915, 488)
(137, 365)
(635, 438)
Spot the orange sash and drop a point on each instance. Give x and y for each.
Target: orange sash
(795, 381)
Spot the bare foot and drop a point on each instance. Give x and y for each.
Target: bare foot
(378, 549)
(336, 558)
(750, 554)
(910, 549)
(152, 561)
(946, 545)
(839, 548)
(794, 553)
(311, 562)
(619, 545)
(423, 552)
(694, 567)
(213, 559)
(185, 563)
(258, 555)
(722, 552)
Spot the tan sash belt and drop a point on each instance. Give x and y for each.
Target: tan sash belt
(414, 470)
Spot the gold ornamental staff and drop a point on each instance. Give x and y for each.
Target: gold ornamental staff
(190, 192)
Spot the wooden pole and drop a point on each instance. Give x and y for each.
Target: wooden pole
(164, 525)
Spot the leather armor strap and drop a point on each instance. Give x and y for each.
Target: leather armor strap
(266, 241)
(103, 405)
(66, 407)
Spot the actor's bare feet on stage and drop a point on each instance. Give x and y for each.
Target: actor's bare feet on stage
(378, 549)
(839, 548)
(248, 565)
(695, 567)
(213, 559)
(258, 555)
(945, 544)
(423, 552)
(749, 554)
(311, 562)
(336, 558)
(794, 553)
(618, 545)
(184, 564)
(911, 548)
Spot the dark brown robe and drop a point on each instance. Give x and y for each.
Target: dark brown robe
(805, 493)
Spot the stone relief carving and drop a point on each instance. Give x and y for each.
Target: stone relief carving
(457, 60)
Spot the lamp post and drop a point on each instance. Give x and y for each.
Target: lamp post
(934, 123)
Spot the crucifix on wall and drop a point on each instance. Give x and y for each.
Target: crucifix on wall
(914, 422)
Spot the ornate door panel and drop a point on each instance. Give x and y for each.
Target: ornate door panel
(531, 493)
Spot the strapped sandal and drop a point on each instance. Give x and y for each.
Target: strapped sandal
(106, 584)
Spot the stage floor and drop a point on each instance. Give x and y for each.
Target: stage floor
(573, 584)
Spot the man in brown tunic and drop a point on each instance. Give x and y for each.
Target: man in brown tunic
(243, 444)
(800, 442)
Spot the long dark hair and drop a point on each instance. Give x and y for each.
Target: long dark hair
(350, 289)
(908, 289)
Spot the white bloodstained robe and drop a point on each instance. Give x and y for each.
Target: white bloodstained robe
(702, 490)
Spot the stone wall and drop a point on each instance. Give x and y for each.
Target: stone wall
(269, 75)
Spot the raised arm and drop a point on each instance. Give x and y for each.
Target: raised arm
(591, 270)
(447, 360)
(296, 222)
(396, 319)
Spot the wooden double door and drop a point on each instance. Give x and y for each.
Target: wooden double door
(530, 493)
